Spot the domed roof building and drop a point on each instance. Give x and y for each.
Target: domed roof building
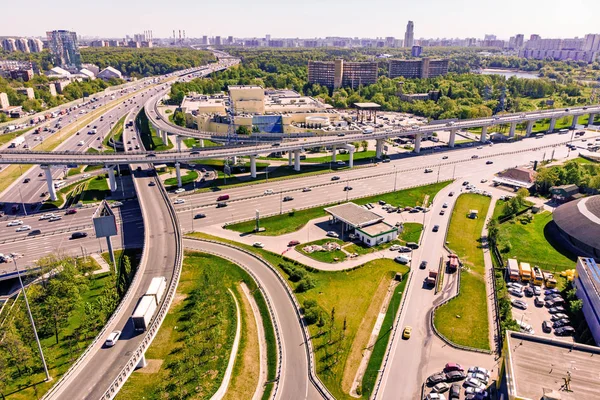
(579, 223)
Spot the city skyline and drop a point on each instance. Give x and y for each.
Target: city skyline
(430, 18)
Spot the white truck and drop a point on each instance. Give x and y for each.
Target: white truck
(157, 288)
(17, 142)
(143, 313)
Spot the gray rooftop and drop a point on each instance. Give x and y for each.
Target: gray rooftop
(354, 215)
(537, 365)
(377, 228)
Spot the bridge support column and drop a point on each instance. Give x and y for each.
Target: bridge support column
(296, 160)
(165, 138)
(529, 128)
(552, 125)
(142, 363)
(452, 137)
(179, 140)
(51, 188)
(333, 153)
(513, 128)
(178, 172)
(575, 120)
(483, 137)
(112, 181)
(418, 138)
(379, 148)
(253, 166)
(591, 119)
(290, 154)
(351, 159)
(202, 143)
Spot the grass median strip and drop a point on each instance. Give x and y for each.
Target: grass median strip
(464, 319)
(294, 220)
(331, 307)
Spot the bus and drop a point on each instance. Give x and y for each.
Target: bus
(525, 270)
(513, 270)
(538, 278)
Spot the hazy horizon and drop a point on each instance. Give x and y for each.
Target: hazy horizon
(307, 19)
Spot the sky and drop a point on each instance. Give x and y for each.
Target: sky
(305, 18)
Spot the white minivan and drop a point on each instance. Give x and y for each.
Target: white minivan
(402, 259)
(111, 340)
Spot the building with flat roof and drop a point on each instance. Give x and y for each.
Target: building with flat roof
(368, 226)
(544, 367)
(587, 283)
(421, 68)
(340, 73)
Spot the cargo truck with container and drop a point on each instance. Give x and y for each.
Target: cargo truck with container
(453, 263)
(17, 142)
(512, 270)
(431, 278)
(143, 313)
(157, 288)
(525, 270)
(537, 276)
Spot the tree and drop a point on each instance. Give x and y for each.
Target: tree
(546, 178)
(575, 306)
(521, 196)
(492, 231)
(179, 118)
(364, 144)
(243, 130)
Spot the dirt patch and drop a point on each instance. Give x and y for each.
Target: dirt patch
(363, 334)
(152, 368)
(178, 299)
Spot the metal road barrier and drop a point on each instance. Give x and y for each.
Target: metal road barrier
(309, 347)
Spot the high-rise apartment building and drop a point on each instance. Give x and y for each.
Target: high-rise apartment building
(22, 45)
(591, 42)
(423, 68)
(9, 45)
(409, 36)
(416, 51)
(35, 45)
(519, 40)
(534, 36)
(64, 48)
(338, 73)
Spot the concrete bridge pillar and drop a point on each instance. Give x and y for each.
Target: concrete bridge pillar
(142, 363)
(112, 181)
(165, 138)
(351, 159)
(483, 137)
(513, 128)
(179, 140)
(253, 166)
(202, 143)
(51, 188)
(552, 125)
(333, 153)
(290, 154)
(296, 160)
(417, 148)
(178, 172)
(379, 148)
(452, 137)
(575, 120)
(591, 119)
(529, 128)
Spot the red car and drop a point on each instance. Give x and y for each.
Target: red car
(293, 243)
(71, 211)
(453, 367)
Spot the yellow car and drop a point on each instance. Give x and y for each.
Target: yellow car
(406, 332)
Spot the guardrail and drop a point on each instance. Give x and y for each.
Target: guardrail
(309, 348)
(388, 351)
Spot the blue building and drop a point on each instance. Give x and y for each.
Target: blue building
(416, 51)
(587, 284)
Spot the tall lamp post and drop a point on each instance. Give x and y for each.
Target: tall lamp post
(37, 339)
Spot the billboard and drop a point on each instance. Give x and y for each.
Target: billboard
(105, 223)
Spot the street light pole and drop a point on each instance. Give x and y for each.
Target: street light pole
(395, 177)
(37, 339)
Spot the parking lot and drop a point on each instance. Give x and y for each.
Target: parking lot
(456, 382)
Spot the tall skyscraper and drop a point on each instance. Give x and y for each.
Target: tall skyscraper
(519, 40)
(409, 36)
(64, 48)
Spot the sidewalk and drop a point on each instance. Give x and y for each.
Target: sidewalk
(104, 266)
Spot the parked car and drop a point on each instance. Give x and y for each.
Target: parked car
(483, 378)
(561, 322)
(435, 396)
(479, 370)
(564, 331)
(404, 249)
(537, 290)
(519, 304)
(557, 309)
(556, 317)
(454, 376)
(453, 367)
(528, 291)
(547, 326)
(474, 383)
(440, 387)
(551, 296)
(515, 292)
(551, 291)
(455, 392)
(538, 302)
(332, 234)
(436, 378)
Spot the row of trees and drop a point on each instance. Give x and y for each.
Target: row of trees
(586, 176)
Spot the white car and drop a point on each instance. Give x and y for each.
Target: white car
(481, 377)
(479, 370)
(180, 190)
(55, 218)
(111, 340)
(332, 234)
(260, 245)
(269, 191)
(179, 201)
(46, 216)
(395, 247)
(15, 222)
(474, 383)
(86, 175)
(445, 205)
(24, 228)
(117, 204)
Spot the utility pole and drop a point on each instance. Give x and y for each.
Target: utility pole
(37, 339)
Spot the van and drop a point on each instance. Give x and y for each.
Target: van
(402, 259)
(223, 197)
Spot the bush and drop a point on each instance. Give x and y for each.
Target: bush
(309, 304)
(311, 316)
(305, 285)
(297, 275)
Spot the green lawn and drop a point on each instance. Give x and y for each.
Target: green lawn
(412, 232)
(530, 243)
(359, 155)
(195, 339)
(582, 160)
(293, 221)
(116, 131)
(7, 137)
(333, 293)
(148, 134)
(464, 320)
(96, 190)
(189, 177)
(324, 256)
